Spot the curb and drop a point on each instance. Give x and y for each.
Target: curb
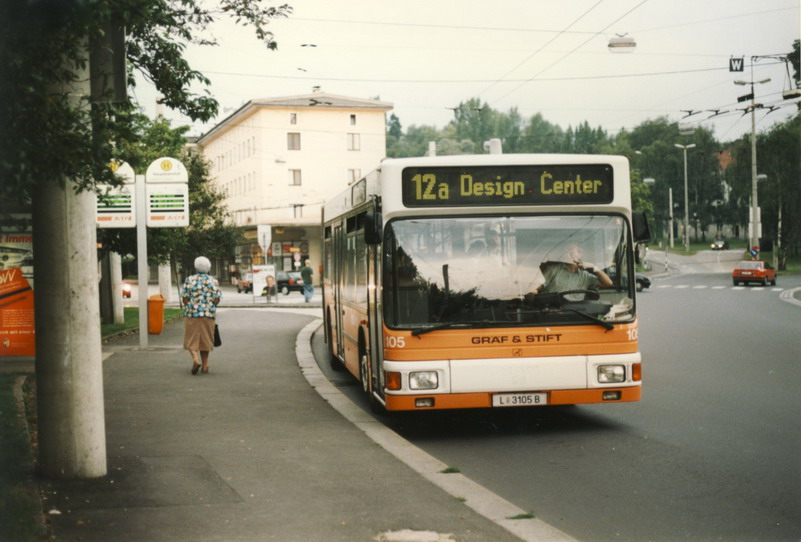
(31, 482)
(481, 500)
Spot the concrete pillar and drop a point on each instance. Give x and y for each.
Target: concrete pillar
(165, 282)
(116, 286)
(69, 371)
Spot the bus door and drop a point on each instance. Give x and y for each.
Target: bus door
(373, 316)
(337, 285)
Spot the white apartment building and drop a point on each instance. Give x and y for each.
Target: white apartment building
(279, 159)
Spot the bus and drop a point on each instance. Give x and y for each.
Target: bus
(485, 281)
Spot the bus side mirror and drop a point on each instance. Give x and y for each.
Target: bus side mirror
(373, 228)
(639, 223)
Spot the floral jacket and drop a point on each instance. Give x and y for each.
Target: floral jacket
(200, 295)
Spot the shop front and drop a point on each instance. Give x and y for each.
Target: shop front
(287, 247)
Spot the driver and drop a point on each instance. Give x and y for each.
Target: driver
(569, 272)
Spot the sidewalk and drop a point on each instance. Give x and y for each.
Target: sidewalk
(249, 452)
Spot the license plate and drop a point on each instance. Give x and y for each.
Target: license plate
(519, 399)
(747, 273)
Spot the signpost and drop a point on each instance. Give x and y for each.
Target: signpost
(167, 194)
(164, 189)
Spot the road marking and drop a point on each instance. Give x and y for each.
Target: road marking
(717, 287)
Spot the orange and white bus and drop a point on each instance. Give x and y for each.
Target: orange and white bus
(491, 280)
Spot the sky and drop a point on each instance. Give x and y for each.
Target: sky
(539, 56)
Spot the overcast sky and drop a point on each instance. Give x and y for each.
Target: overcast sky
(540, 56)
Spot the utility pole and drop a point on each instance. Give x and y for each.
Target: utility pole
(754, 222)
(686, 198)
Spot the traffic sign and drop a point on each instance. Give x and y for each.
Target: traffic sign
(736, 64)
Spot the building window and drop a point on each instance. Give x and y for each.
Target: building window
(293, 141)
(354, 175)
(353, 142)
(353, 120)
(297, 210)
(294, 177)
(293, 118)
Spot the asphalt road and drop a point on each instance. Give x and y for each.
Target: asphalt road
(712, 452)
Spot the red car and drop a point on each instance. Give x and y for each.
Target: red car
(753, 271)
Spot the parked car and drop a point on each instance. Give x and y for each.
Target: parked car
(289, 281)
(245, 283)
(753, 271)
(642, 281)
(720, 244)
(126, 288)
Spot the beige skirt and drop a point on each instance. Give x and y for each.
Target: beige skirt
(199, 334)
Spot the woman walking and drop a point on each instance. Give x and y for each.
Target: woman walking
(200, 295)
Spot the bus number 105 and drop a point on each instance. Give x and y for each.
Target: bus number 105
(391, 341)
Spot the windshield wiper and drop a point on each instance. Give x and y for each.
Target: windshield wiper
(457, 325)
(603, 323)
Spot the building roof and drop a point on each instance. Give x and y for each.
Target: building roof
(315, 100)
(321, 100)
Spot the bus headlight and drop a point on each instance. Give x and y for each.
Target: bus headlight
(424, 380)
(608, 374)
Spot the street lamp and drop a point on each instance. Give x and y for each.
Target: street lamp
(622, 44)
(754, 222)
(686, 197)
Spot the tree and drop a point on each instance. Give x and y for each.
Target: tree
(56, 142)
(48, 134)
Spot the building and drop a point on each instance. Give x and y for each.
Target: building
(279, 159)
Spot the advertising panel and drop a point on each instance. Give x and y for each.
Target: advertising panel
(264, 281)
(17, 327)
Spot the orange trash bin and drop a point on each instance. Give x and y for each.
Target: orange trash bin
(155, 314)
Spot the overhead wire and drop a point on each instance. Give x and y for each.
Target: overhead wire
(563, 57)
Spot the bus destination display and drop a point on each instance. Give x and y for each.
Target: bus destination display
(507, 185)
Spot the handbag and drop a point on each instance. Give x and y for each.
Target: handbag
(217, 339)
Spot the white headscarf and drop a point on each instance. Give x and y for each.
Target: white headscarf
(202, 264)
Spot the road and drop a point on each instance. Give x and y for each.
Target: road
(712, 452)
(231, 297)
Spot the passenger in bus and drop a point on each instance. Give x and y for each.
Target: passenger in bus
(570, 272)
(489, 247)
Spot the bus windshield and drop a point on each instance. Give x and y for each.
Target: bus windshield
(497, 271)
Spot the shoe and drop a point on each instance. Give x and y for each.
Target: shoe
(195, 368)
(205, 371)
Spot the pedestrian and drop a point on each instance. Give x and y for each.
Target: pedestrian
(308, 282)
(200, 296)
